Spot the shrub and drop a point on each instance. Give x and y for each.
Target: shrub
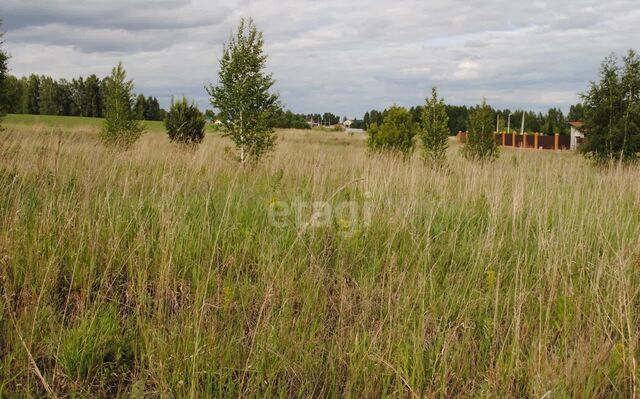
(396, 133)
(185, 123)
(120, 128)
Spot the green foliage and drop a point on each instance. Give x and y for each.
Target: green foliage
(12, 92)
(458, 118)
(612, 112)
(396, 133)
(32, 95)
(85, 97)
(121, 129)
(140, 107)
(553, 123)
(434, 130)
(152, 111)
(576, 113)
(185, 123)
(49, 93)
(481, 143)
(242, 95)
(288, 120)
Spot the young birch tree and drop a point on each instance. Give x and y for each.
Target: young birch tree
(243, 96)
(434, 130)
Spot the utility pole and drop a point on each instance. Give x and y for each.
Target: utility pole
(522, 128)
(509, 123)
(498, 123)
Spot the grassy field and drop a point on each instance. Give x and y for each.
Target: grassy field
(20, 122)
(163, 273)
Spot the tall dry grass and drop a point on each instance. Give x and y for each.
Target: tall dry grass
(158, 273)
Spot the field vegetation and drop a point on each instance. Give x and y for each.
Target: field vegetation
(160, 273)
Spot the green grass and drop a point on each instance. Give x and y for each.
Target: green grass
(69, 122)
(158, 272)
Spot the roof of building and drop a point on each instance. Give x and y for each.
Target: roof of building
(576, 124)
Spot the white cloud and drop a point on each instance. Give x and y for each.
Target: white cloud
(467, 70)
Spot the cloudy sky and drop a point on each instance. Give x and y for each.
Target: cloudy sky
(342, 56)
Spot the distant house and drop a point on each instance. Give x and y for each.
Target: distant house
(347, 123)
(577, 134)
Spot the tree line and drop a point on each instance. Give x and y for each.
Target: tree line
(43, 95)
(552, 122)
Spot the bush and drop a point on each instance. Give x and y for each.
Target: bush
(396, 133)
(481, 143)
(120, 128)
(185, 123)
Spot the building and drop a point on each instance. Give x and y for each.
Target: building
(347, 123)
(577, 134)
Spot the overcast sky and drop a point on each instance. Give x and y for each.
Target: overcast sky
(343, 56)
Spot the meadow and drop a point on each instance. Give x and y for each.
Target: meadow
(159, 272)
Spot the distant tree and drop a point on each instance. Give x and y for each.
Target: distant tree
(576, 113)
(358, 124)
(86, 97)
(152, 111)
(553, 122)
(481, 143)
(396, 133)
(366, 120)
(49, 96)
(288, 120)
(13, 91)
(434, 130)
(65, 97)
(103, 94)
(416, 114)
(458, 118)
(330, 119)
(140, 107)
(92, 99)
(243, 95)
(78, 101)
(612, 112)
(185, 123)
(377, 117)
(33, 95)
(121, 129)
(4, 68)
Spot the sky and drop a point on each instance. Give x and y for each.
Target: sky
(345, 57)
